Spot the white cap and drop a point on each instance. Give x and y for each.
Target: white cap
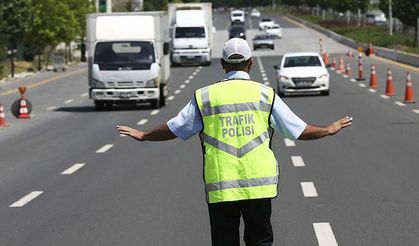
(236, 46)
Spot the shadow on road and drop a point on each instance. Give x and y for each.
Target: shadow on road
(91, 109)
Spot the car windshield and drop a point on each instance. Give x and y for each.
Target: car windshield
(302, 61)
(261, 37)
(265, 20)
(237, 14)
(124, 55)
(190, 32)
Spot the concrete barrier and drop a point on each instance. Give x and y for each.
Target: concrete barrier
(395, 55)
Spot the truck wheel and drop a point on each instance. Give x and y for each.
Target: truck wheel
(155, 104)
(99, 105)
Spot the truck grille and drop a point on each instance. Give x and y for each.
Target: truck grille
(125, 83)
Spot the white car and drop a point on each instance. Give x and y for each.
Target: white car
(265, 22)
(255, 13)
(302, 73)
(274, 30)
(237, 16)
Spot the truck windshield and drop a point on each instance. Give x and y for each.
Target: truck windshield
(190, 32)
(124, 55)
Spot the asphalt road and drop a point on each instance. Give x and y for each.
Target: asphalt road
(359, 187)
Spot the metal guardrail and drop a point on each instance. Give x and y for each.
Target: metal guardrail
(395, 55)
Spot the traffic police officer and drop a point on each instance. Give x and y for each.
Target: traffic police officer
(236, 118)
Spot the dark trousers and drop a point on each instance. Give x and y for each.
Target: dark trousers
(225, 222)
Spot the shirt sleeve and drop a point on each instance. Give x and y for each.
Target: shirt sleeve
(285, 121)
(187, 123)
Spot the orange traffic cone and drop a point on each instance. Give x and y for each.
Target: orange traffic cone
(371, 49)
(373, 78)
(341, 65)
(334, 63)
(23, 109)
(389, 85)
(348, 70)
(409, 95)
(3, 122)
(326, 58)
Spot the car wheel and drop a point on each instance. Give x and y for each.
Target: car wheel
(155, 103)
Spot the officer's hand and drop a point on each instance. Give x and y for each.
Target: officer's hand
(335, 127)
(136, 134)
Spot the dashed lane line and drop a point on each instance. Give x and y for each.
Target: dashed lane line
(142, 122)
(384, 96)
(191, 77)
(26, 199)
(104, 148)
(52, 108)
(187, 81)
(177, 91)
(266, 83)
(416, 111)
(324, 234)
(297, 161)
(170, 98)
(182, 86)
(362, 85)
(73, 169)
(84, 94)
(308, 189)
(289, 143)
(353, 80)
(69, 101)
(372, 90)
(400, 104)
(154, 112)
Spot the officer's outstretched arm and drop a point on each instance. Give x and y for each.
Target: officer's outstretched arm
(161, 133)
(314, 132)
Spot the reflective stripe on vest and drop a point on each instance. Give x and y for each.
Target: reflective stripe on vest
(238, 162)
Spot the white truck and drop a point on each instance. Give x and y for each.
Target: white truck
(191, 32)
(128, 58)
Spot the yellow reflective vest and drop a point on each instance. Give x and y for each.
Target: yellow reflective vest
(238, 161)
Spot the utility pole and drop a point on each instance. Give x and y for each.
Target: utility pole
(274, 5)
(390, 16)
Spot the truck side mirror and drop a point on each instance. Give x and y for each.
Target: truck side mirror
(166, 48)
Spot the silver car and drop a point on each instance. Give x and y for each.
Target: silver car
(263, 41)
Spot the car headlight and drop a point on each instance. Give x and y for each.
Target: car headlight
(282, 77)
(97, 84)
(152, 83)
(323, 76)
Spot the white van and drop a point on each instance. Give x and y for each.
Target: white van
(237, 16)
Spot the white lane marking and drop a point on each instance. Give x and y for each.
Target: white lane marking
(289, 143)
(154, 112)
(191, 77)
(52, 108)
(142, 122)
(24, 200)
(266, 83)
(170, 98)
(265, 79)
(187, 81)
(362, 85)
(324, 234)
(345, 76)
(308, 189)
(104, 148)
(353, 80)
(195, 73)
(69, 101)
(84, 94)
(384, 96)
(177, 91)
(73, 169)
(416, 111)
(400, 104)
(182, 86)
(263, 74)
(297, 161)
(373, 90)
(123, 135)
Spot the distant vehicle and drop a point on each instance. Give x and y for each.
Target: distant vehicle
(263, 41)
(255, 13)
(237, 31)
(302, 73)
(265, 22)
(191, 32)
(237, 16)
(376, 17)
(275, 30)
(127, 64)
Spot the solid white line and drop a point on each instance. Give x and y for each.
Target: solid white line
(52, 108)
(177, 91)
(73, 169)
(69, 101)
(289, 143)
(170, 98)
(308, 189)
(187, 81)
(362, 85)
(400, 104)
(416, 111)
(182, 86)
(324, 234)
(384, 96)
(154, 112)
(266, 83)
(29, 197)
(297, 161)
(84, 94)
(373, 90)
(142, 122)
(104, 148)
